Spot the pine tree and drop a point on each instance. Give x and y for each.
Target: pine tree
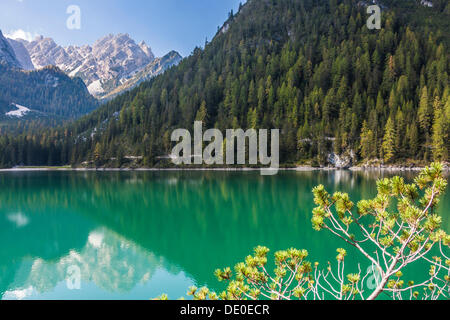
(252, 119)
(440, 132)
(424, 111)
(389, 141)
(366, 142)
(97, 154)
(399, 130)
(202, 114)
(413, 139)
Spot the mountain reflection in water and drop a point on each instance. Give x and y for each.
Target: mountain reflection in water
(136, 235)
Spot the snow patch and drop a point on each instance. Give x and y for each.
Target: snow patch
(19, 113)
(95, 87)
(425, 3)
(74, 72)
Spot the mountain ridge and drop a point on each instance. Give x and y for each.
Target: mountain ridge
(115, 61)
(7, 55)
(110, 62)
(48, 92)
(21, 54)
(156, 67)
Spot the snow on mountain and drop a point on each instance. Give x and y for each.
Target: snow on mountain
(156, 67)
(19, 113)
(107, 64)
(95, 88)
(7, 55)
(118, 57)
(44, 52)
(112, 64)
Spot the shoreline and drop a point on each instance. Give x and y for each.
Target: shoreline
(297, 169)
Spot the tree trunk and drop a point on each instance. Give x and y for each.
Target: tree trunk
(379, 289)
(384, 280)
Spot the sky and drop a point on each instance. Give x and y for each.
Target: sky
(164, 25)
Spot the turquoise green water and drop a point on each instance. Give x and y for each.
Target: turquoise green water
(135, 235)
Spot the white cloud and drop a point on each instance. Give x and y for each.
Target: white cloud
(19, 219)
(21, 34)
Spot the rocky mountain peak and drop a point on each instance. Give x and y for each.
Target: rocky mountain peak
(7, 55)
(44, 52)
(147, 50)
(110, 62)
(22, 54)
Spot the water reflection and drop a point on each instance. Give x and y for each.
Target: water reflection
(139, 234)
(112, 263)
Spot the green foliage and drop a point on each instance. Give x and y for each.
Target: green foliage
(48, 91)
(389, 240)
(292, 276)
(400, 237)
(389, 141)
(308, 67)
(441, 129)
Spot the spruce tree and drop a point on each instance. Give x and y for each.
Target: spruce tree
(424, 111)
(389, 141)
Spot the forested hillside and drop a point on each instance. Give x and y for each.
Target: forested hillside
(308, 67)
(47, 92)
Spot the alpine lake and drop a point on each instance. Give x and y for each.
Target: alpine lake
(139, 234)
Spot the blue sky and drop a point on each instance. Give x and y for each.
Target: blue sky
(165, 25)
